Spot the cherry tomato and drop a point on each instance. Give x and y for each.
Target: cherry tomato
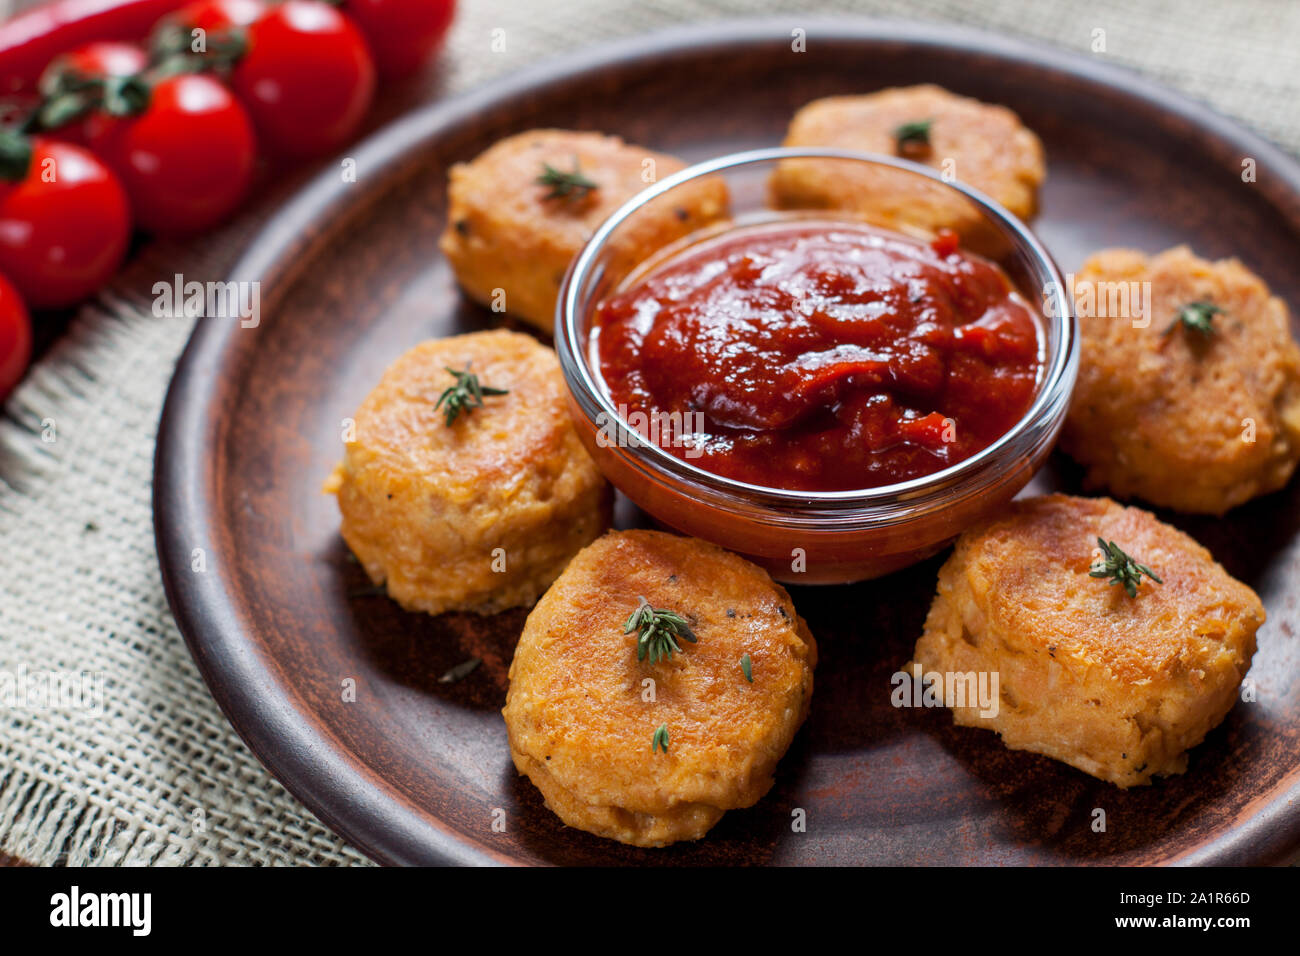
(213, 15)
(307, 78)
(402, 34)
(30, 40)
(96, 60)
(187, 160)
(15, 337)
(92, 61)
(64, 226)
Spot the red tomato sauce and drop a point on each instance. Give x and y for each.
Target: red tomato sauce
(820, 355)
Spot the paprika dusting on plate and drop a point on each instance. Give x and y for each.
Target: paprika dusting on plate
(821, 355)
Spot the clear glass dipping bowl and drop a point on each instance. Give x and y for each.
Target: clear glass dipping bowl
(801, 536)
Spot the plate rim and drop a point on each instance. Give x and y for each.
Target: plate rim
(319, 772)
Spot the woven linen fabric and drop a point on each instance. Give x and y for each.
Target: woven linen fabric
(152, 773)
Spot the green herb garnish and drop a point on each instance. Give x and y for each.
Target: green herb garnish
(460, 671)
(658, 629)
(660, 740)
(466, 395)
(913, 137)
(564, 185)
(1197, 316)
(747, 666)
(1121, 569)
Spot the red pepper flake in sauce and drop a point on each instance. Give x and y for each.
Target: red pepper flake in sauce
(822, 356)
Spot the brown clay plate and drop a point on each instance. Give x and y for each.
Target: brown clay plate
(414, 771)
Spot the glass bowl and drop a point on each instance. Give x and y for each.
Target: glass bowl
(811, 537)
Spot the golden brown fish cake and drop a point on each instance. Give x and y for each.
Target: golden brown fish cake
(1189, 421)
(479, 515)
(580, 725)
(1119, 687)
(504, 234)
(984, 145)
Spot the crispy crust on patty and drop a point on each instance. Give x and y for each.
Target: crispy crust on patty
(480, 515)
(1118, 687)
(504, 234)
(580, 725)
(1166, 415)
(986, 146)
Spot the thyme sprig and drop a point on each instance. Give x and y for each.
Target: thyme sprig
(1196, 316)
(460, 671)
(564, 185)
(1120, 568)
(466, 395)
(658, 630)
(660, 740)
(914, 137)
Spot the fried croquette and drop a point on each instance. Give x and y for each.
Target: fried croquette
(649, 753)
(480, 514)
(1194, 419)
(509, 235)
(1118, 686)
(980, 144)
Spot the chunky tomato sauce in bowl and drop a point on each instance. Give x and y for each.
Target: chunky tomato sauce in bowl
(833, 399)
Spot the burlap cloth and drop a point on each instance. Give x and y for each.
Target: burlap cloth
(153, 773)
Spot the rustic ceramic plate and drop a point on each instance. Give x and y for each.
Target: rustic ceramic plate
(415, 771)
